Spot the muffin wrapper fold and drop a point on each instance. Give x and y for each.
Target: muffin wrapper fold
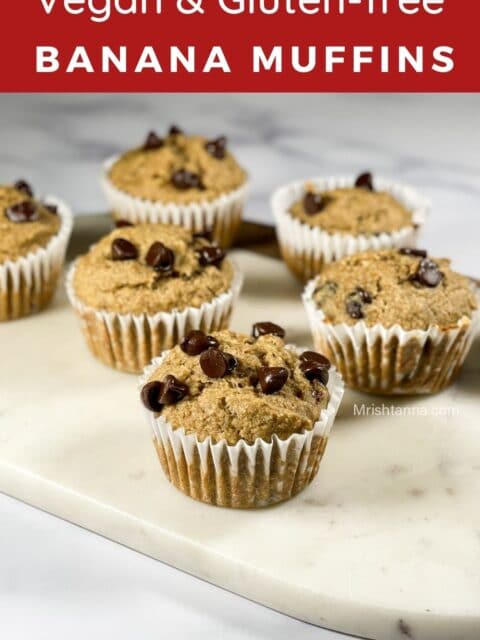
(243, 475)
(128, 342)
(223, 215)
(28, 284)
(392, 361)
(307, 249)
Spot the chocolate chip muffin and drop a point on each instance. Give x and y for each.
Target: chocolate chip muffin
(393, 321)
(191, 181)
(323, 220)
(140, 288)
(239, 420)
(357, 210)
(33, 240)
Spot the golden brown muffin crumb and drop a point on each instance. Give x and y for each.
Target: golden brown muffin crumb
(354, 210)
(235, 407)
(17, 239)
(388, 288)
(148, 173)
(131, 286)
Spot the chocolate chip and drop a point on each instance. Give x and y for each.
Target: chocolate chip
(153, 141)
(364, 296)
(428, 274)
(313, 203)
(355, 309)
(232, 362)
(314, 370)
(184, 179)
(175, 131)
(430, 277)
(253, 379)
(272, 379)
(206, 234)
(173, 391)
(123, 250)
(416, 253)
(214, 363)
(355, 302)
(120, 224)
(365, 181)
(313, 356)
(26, 211)
(267, 328)
(196, 342)
(150, 395)
(160, 257)
(211, 256)
(24, 187)
(52, 208)
(217, 148)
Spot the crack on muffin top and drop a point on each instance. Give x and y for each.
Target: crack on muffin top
(179, 169)
(266, 392)
(26, 224)
(351, 210)
(148, 269)
(394, 287)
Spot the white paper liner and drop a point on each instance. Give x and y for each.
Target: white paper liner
(28, 283)
(392, 360)
(223, 215)
(228, 475)
(129, 342)
(307, 248)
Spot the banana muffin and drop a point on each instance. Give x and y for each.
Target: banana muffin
(141, 287)
(191, 181)
(393, 321)
(323, 220)
(33, 240)
(262, 408)
(354, 210)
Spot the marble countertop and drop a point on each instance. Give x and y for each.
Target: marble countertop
(59, 579)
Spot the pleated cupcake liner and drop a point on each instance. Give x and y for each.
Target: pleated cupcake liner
(392, 361)
(129, 342)
(307, 249)
(222, 216)
(28, 283)
(243, 476)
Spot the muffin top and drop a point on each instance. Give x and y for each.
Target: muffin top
(150, 268)
(391, 287)
(26, 225)
(357, 210)
(235, 387)
(178, 168)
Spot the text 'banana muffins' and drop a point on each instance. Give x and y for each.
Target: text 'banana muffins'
(33, 241)
(191, 181)
(326, 219)
(393, 321)
(240, 420)
(141, 287)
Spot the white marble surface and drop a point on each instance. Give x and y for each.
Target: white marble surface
(384, 543)
(431, 141)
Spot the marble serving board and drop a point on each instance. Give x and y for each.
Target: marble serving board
(384, 544)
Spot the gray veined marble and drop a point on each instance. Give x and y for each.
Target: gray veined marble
(431, 141)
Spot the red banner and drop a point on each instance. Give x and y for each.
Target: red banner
(240, 45)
